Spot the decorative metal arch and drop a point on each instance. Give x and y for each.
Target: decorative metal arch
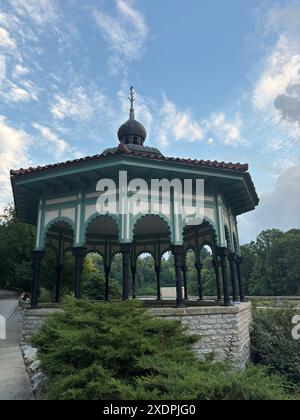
(145, 252)
(207, 243)
(93, 217)
(163, 253)
(208, 220)
(94, 251)
(55, 221)
(139, 217)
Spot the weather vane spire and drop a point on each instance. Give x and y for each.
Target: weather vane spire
(131, 99)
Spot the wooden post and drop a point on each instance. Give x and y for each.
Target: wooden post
(79, 254)
(217, 265)
(133, 275)
(157, 271)
(58, 269)
(178, 257)
(106, 272)
(36, 268)
(223, 254)
(125, 250)
(198, 267)
(239, 261)
(232, 263)
(184, 272)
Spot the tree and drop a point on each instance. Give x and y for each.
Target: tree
(285, 264)
(93, 280)
(271, 264)
(16, 246)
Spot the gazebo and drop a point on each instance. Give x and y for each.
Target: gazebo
(62, 200)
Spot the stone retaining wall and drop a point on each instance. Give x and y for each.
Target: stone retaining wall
(33, 320)
(224, 331)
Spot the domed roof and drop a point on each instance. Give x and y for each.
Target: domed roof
(132, 128)
(132, 131)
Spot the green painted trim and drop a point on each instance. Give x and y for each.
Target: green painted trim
(221, 220)
(61, 206)
(42, 226)
(92, 201)
(230, 229)
(39, 226)
(128, 161)
(218, 219)
(82, 219)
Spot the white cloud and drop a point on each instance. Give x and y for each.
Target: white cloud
(177, 125)
(278, 209)
(53, 143)
(14, 153)
(284, 18)
(39, 11)
(125, 31)
(228, 132)
(6, 40)
(276, 92)
(23, 91)
(211, 142)
(20, 71)
(79, 104)
(282, 70)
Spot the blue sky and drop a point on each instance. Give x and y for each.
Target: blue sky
(214, 80)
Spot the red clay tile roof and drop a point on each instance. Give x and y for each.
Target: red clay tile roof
(123, 150)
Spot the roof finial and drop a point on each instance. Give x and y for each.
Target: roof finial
(132, 99)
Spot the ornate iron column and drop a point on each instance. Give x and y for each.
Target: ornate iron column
(157, 271)
(239, 262)
(232, 262)
(184, 272)
(198, 267)
(107, 273)
(125, 250)
(58, 269)
(133, 275)
(223, 253)
(217, 265)
(79, 254)
(36, 268)
(178, 258)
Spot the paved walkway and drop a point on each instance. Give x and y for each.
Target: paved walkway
(14, 382)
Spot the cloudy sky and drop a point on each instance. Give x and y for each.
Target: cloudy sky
(214, 80)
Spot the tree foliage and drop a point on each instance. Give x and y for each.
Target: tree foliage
(272, 263)
(16, 245)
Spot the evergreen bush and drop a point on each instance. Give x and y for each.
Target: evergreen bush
(273, 344)
(96, 351)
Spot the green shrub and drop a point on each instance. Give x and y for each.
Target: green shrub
(118, 351)
(45, 295)
(272, 342)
